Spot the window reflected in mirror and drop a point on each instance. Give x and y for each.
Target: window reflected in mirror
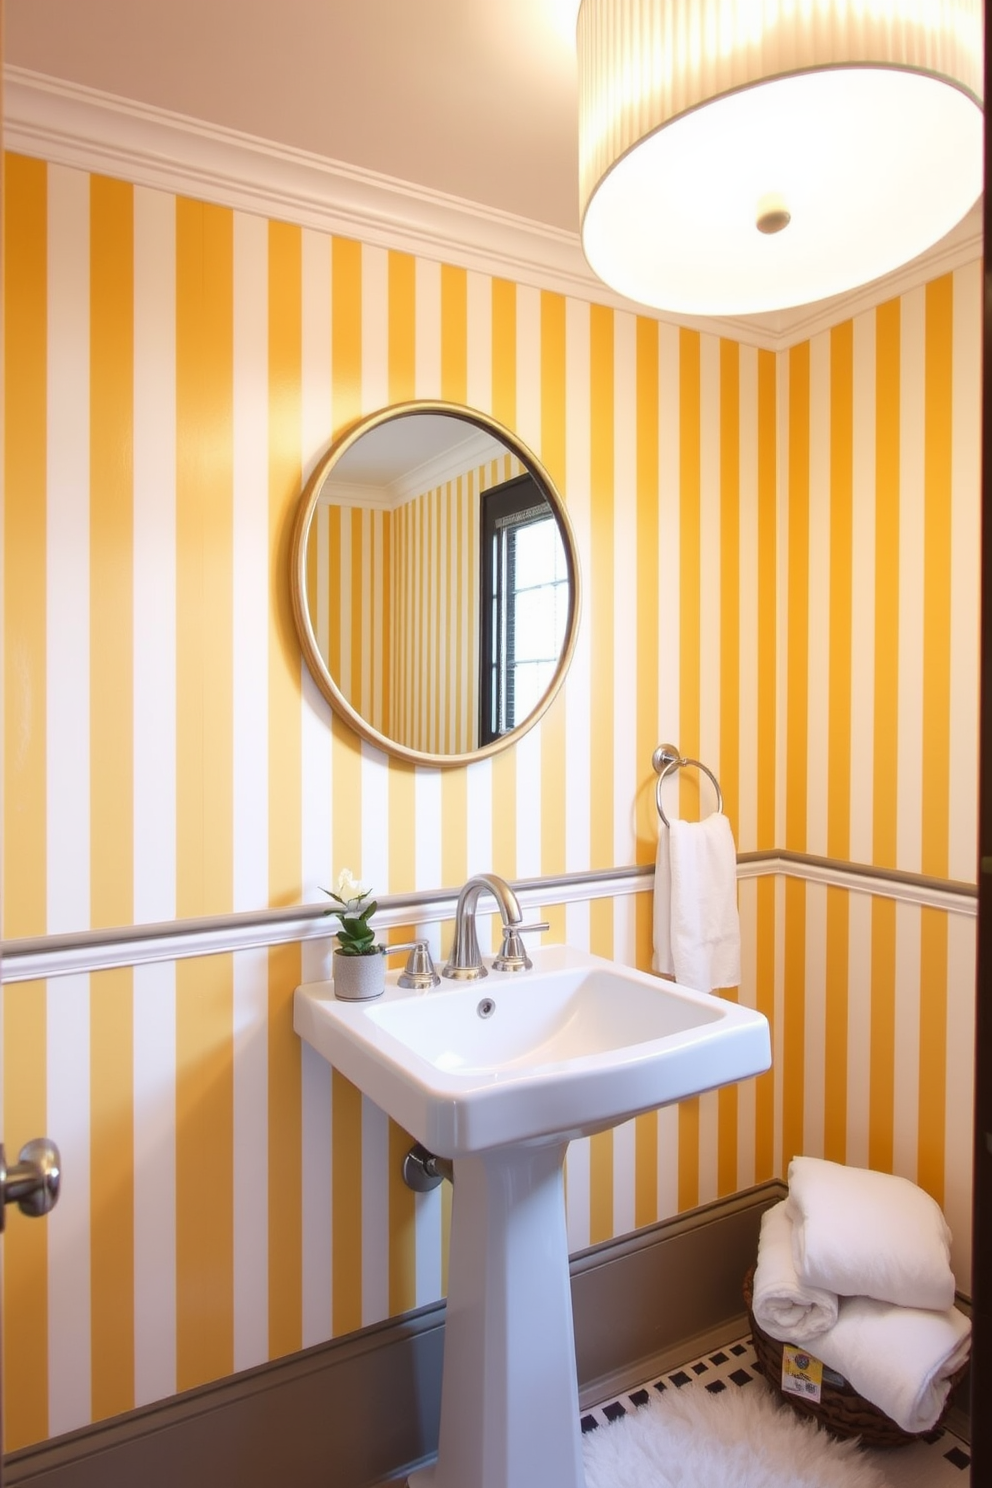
(525, 599)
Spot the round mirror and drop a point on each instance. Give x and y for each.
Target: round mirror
(435, 583)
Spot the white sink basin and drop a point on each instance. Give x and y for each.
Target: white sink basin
(572, 1047)
(499, 1075)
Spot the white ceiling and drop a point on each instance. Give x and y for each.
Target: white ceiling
(459, 110)
(474, 99)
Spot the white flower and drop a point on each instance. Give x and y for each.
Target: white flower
(349, 889)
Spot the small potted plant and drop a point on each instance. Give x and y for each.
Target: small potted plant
(359, 965)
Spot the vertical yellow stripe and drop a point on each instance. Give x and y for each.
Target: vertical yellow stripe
(504, 768)
(111, 790)
(204, 419)
(553, 741)
(601, 543)
(384, 531)
(937, 574)
(646, 1129)
(393, 611)
(600, 622)
(881, 1078)
(690, 438)
(765, 1163)
(794, 1041)
(346, 1204)
(355, 639)
(933, 1052)
(886, 730)
(797, 634)
(454, 385)
(204, 1085)
(111, 549)
(24, 583)
(648, 635)
(334, 628)
(454, 335)
(730, 576)
(835, 1051)
(346, 331)
(841, 549)
(688, 1185)
(730, 587)
(936, 734)
(797, 642)
(840, 731)
(600, 1187)
(285, 792)
(204, 1144)
(112, 1192)
(457, 702)
(25, 1261)
(767, 590)
(438, 639)
(472, 546)
(648, 648)
(402, 1227)
(447, 1191)
(886, 721)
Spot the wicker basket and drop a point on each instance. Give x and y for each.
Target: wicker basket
(841, 1409)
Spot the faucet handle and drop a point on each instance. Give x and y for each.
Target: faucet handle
(512, 955)
(419, 972)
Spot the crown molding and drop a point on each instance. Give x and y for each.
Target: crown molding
(72, 125)
(451, 463)
(448, 465)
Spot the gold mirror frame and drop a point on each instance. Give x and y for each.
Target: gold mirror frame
(319, 669)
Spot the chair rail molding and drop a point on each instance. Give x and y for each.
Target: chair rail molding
(37, 957)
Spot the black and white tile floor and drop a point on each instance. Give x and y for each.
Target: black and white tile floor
(934, 1462)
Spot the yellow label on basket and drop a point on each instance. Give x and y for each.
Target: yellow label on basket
(801, 1374)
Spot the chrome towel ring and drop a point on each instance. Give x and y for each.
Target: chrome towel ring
(667, 759)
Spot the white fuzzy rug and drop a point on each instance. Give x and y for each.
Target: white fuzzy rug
(691, 1438)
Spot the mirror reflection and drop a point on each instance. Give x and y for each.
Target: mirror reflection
(435, 585)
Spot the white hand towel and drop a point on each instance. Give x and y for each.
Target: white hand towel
(867, 1234)
(706, 931)
(782, 1305)
(899, 1358)
(663, 963)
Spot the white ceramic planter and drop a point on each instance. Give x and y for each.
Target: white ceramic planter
(359, 978)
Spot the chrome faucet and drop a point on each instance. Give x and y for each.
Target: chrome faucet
(465, 961)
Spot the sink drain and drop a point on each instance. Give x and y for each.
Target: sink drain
(486, 1008)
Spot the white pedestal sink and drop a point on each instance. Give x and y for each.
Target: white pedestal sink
(499, 1075)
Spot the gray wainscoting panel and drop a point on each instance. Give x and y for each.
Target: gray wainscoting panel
(365, 1408)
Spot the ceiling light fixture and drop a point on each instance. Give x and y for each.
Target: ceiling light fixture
(738, 156)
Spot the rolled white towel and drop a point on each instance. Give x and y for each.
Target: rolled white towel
(868, 1234)
(783, 1306)
(899, 1358)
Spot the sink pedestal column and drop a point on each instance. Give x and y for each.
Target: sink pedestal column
(509, 1397)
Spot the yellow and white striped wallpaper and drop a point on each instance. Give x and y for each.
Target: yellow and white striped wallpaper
(779, 556)
(350, 585)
